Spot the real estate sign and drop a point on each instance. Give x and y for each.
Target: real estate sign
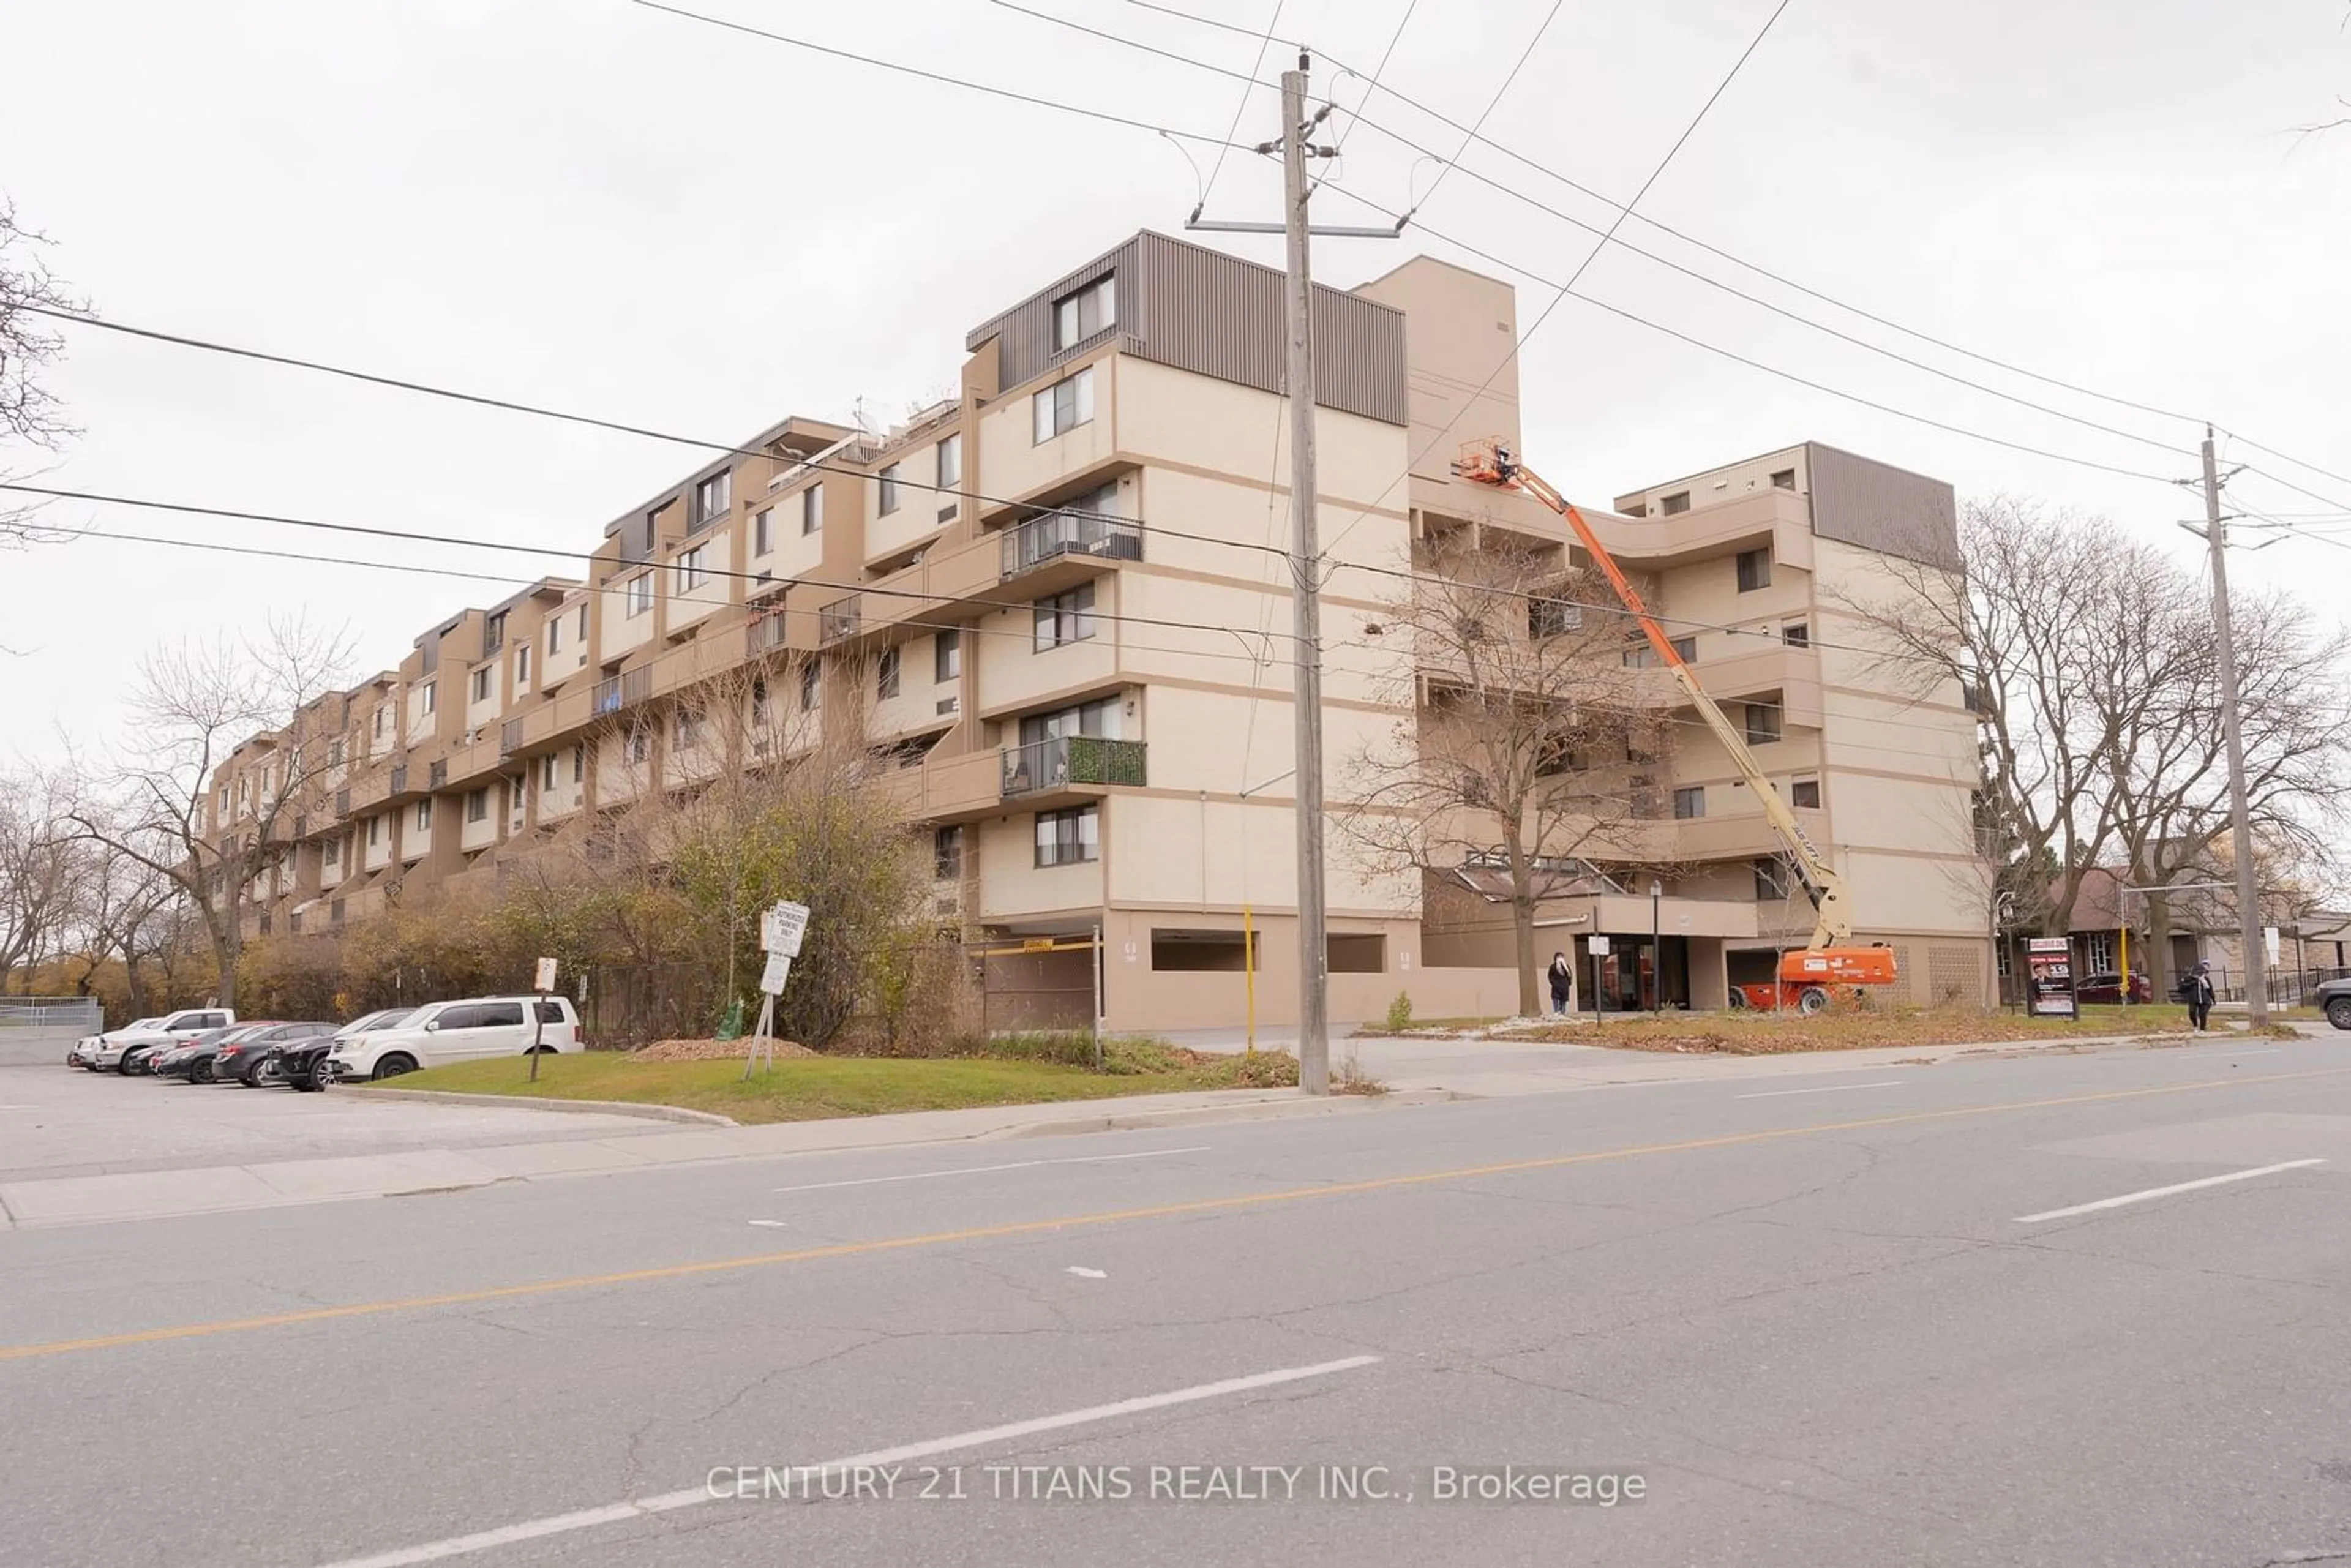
(2049, 979)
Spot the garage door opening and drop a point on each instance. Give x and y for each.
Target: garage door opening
(1182, 950)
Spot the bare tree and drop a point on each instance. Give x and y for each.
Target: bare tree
(29, 412)
(127, 910)
(169, 806)
(43, 868)
(1530, 744)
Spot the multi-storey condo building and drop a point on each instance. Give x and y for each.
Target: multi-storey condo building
(1061, 599)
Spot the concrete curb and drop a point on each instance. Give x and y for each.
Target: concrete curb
(1258, 1111)
(540, 1103)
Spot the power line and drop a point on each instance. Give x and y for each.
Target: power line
(1609, 235)
(1485, 114)
(725, 572)
(932, 76)
(594, 422)
(1755, 268)
(2287, 457)
(1517, 348)
(416, 568)
(1238, 109)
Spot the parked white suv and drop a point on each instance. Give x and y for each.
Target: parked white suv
(442, 1032)
(104, 1053)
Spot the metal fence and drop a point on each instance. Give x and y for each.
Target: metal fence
(52, 1015)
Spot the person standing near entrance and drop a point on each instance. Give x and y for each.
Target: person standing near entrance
(1562, 982)
(2196, 991)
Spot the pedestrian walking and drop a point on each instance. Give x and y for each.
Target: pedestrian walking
(1563, 981)
(2196, 991)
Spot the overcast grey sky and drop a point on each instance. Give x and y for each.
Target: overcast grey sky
(589, 204)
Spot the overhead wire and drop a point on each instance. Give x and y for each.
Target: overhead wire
(1485, 114)
(1238, 109)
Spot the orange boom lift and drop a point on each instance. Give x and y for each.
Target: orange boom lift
(1808, 977)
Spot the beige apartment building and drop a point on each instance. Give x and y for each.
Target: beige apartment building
(1056, 603)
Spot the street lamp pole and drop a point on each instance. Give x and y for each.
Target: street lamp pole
(1656, 947)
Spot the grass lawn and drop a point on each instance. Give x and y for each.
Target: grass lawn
(1765, 1034)
(804, 1089)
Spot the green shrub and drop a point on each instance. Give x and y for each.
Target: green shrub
(1399, 1017)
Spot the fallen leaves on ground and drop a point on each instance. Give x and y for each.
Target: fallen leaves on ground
(1768, 1034)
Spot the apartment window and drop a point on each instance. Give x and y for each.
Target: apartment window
(947, 656)
(1069, 836)
(811, 685)
(1550, 617)
(689, 728)
(477, 805)
(430, 695)
(763, 536)
(547, 773)
(946, 852)
(522, 665)
(1647, 658)
(1796, 634)
(1754, 570)
(1690, 802)
(1674, 505)
(641, 744)
(888, 478)
(554, 636)
(482, 685)
(335, 752)
(1804, 792)
(1099, 717)
(375, 832)
(950, 462)
(583, 624)
(424, 815)
(1685, 649)
(640, 594)
(1064, 405)
(813, 509)
(714, 497)
(579, 763)
(1065, 618)
(690, 574)
(652, 536)
(383, 717)
(1785, 479)
(1762, 723)
(1078, 317)
(886, 675)
(759, 703)
(1770, 879)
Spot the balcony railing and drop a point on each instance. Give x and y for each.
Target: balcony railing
(839, 620)
(398, 779)
(437, 775)
(510, 738)
(763, 634)
(636, 685)
(342, 802)
(606, 698)
(1042, 540)
(1072, 760)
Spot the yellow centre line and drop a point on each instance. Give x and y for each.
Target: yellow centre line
(1111, 1217)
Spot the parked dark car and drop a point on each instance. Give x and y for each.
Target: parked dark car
(204, 1061)
(253, 1061)
(2334, 999)
(2108, 989)
(140, 1060)
(303, 1063)
(179, 1061)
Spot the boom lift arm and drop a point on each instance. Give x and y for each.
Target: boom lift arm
(1491, 462)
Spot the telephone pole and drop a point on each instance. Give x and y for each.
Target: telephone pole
(2248, 912)
(1306, 566)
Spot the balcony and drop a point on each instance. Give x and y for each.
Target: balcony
(614, 693)
(1042, 541)
(764, 635)
(510, 738)
(838, 621)
(437, 775)
(947, 787)
(1055, 765)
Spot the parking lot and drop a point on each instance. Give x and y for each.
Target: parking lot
(57, 1122)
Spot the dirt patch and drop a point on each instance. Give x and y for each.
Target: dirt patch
(712, 1051)
(1771, 1034)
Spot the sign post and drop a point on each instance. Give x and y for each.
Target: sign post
(542, 983)
(2049, 979)
(782, 928)
(1598, 946)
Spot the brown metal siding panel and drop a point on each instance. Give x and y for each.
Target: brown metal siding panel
(1881, 507)
(1215, 315)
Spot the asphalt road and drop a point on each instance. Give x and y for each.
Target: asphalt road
(1831, 1320)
